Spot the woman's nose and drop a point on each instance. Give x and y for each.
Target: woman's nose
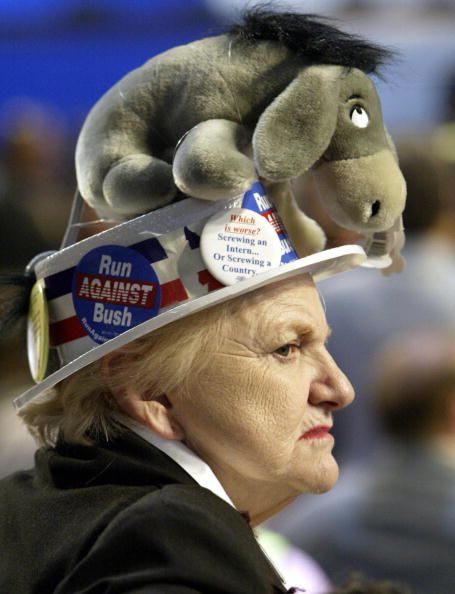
(332, 388)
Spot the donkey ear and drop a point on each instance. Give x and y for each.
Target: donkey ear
(296, 128)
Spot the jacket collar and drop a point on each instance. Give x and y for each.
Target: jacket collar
(199, 470)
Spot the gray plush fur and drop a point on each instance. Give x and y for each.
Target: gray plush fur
(239, 111)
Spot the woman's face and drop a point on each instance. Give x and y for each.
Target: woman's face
(260, 414)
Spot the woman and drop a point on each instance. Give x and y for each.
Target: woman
(193, 395)
(161, 456)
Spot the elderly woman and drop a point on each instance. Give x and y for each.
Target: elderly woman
(161, 455)
(166, 444)
(190, 395)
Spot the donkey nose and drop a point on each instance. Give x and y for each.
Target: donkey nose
(375, 208)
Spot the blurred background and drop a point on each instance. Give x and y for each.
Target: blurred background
(57, 58)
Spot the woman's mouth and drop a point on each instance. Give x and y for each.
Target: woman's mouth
(319, 432)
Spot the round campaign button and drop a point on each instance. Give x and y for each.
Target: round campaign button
(38, 332)
(114, 289)
(239, 243)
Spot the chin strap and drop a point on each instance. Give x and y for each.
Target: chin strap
(72, 229)
(75, 222)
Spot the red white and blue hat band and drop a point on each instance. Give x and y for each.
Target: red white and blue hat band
(120, 284)
(112, 281)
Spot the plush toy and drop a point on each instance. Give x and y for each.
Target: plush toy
(278, 96)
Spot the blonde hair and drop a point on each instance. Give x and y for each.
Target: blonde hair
(82, 408)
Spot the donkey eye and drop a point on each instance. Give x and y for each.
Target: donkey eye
(359, 116)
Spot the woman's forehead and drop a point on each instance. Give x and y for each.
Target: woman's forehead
(288, 304)
(290, 289)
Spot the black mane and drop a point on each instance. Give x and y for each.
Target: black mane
(311, 37)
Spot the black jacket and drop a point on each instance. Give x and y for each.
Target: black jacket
(122, 517)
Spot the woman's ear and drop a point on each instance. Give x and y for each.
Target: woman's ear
(297, 127)
(156, 413)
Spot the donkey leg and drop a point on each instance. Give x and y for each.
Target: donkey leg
(304, 232)
(138, 183)
(209, 162)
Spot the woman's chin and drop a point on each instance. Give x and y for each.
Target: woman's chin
(322, 479)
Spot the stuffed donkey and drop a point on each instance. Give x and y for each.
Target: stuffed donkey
(276, 97)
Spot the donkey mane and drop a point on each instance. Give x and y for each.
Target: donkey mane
(311, 37)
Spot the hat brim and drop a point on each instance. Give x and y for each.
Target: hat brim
(320, 266)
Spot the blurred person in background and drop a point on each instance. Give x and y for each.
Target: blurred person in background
(442, 144)
(36, 188)
(36, 183)
(17, 446)
(393, 517)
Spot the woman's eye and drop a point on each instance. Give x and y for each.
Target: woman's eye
(285, 350)
(359, 117)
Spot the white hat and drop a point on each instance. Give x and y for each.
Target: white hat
(101, 293)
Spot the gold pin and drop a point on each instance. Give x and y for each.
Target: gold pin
(38, 332)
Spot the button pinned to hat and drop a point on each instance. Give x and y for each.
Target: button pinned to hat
(37, 319)
(244, 241)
